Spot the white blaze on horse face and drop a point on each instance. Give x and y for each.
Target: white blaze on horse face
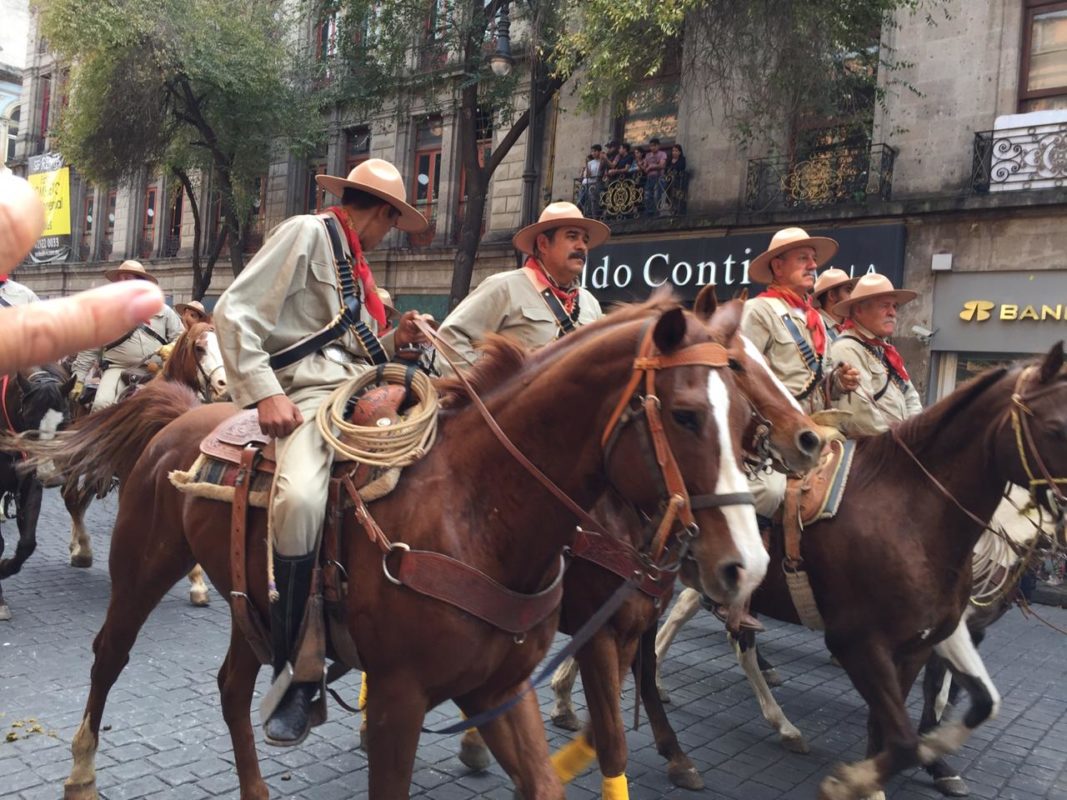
(741, 519)
(211, 365)
(49, 424)
(754, 354)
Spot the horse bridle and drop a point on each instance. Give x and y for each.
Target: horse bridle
(678, 505)
(1024, 441)
(38, 380)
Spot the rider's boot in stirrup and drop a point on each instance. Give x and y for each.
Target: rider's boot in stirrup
(290, 722)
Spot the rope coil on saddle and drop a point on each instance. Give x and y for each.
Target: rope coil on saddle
(398, 444)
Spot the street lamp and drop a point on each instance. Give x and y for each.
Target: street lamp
(501, 61)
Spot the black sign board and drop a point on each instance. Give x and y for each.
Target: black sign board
(626, 271)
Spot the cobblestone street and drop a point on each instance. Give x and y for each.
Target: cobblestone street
(165, 737)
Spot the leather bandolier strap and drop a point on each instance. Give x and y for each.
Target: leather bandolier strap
(245, 614)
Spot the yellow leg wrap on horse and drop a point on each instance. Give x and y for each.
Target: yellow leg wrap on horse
(615, 788)
(573, 758)
(362, 704)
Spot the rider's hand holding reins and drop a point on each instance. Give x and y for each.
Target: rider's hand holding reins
(848, 377)
(278, 415)
(408, 336)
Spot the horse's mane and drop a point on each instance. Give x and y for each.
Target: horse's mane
(919, 430)
(501, 358)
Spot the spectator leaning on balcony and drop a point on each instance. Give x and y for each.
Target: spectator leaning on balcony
(592, 173)
(655, 166)
(831, 288)
(624, 164)
(611, 154)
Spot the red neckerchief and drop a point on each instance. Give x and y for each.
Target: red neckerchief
(891, 354)
(565, 296)
(3, 278)
(361, 269)
(814, 319)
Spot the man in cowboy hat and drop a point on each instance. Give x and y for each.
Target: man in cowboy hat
(787, 329)
(302, 318)
(886, 394)
(192, 313)
(129, 352)
(541, 301)
(831, 288)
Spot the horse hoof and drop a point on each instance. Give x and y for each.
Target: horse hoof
(81, 561)
(772, 677)
(566, 720)
(685, 777)
(795, 744)
(80, 791)
(952, 786)
(664, 695)
(199, 599)
(5, 612)
(474, 757)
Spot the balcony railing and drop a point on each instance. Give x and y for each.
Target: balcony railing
(844, 174)
(633, 196)
(1034, 157)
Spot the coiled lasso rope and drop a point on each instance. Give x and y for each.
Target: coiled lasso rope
(399, 444)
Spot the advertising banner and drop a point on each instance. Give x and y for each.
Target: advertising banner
(51, 180)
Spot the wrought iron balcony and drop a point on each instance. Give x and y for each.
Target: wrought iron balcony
(1034, 157)
(837, 175)
(632, 196)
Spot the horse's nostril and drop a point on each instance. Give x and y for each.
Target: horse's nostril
(809, 442)
(731, 574)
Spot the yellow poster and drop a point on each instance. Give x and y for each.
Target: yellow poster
(54, 189)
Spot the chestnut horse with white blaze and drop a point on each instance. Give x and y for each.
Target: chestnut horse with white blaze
(468, 498)
(892, 572)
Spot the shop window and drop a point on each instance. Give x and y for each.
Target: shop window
(85, 252)
(148, 226)
(357, 147)
(1043, 71)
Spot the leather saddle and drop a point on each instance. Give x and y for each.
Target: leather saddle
(817, 493)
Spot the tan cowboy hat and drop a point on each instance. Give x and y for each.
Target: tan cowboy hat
(874, 285)
(831, 279)
(195, 305)
(130, 268)
(560, 215)
(788, 239)
(391, 313)
(381, 179)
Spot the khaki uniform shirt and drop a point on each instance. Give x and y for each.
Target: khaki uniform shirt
(833, 327)
(510, 303)
(136, 348)
(288, 291)
(894, 405)
(762, 324)
(15, 294)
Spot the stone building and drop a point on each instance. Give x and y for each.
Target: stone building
(957, 191)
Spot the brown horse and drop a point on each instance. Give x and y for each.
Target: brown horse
(33, 399)
(794, 440)
(467, 498)
(194, 361)
(891, 573)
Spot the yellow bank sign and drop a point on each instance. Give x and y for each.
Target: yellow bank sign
(984, 310)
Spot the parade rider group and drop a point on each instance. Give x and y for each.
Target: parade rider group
(305, 315)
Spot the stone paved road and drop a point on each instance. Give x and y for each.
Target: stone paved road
(167, 738)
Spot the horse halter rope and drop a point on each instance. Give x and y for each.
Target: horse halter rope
(679, 505)
(1024, 440)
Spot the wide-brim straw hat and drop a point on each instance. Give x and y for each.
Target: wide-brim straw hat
(195, 305)
(831, 279)
(561, 215)
(871, 286)
(788, 239)
(391, 312)
(380, 178)
(130, 268)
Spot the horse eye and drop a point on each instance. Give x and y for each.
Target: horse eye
(690, 420)
(735, 365)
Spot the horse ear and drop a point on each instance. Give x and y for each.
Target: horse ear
(742, 295)
(24, 383)
(670, 330)
(1053, 362)
(727, 320)
(706, 303)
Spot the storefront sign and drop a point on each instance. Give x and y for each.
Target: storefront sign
(625, 270)
(51, 180)
(999, 312)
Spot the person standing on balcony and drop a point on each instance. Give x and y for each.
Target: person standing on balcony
(676, 179)
(624, 164)
(655, 166)
(129, 352)
(831, 288)
(543, 300)
(592, 173)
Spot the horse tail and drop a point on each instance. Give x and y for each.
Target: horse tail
(107, 443)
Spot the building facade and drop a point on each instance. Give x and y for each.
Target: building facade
(956, 191)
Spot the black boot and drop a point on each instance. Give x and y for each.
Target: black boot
(290, 722)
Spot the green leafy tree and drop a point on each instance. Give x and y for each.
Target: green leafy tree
(185, 86)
